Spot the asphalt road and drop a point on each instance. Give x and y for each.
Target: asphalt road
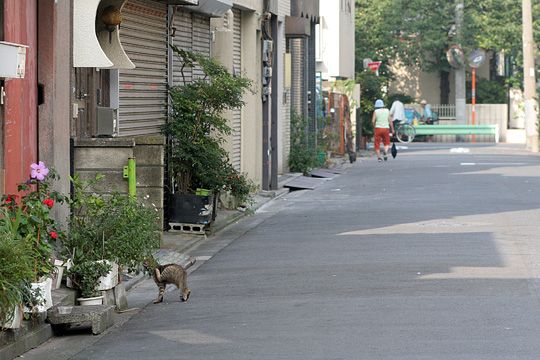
(432, 255)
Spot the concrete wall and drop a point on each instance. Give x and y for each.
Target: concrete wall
(254, 5)
(109, 156)
(284, 120)
(336, 39)
(222, 50)
(54, 74)
(425, 85)
(418, 84)
(222, 46)
(486, 114)
(252, 114)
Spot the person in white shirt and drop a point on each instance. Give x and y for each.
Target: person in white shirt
(397, 113)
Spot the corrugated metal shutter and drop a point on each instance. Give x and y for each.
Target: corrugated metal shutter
(143, 90)
(193, 34)
(236, 156)
(286, 112)
(311, 88)
(201, 39)
(284, 8)
(298, 76)
(182, 39)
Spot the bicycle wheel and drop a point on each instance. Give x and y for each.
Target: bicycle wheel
(405, 133)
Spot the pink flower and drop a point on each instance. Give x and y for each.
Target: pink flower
(49, 202)
(53, 234)
(39, 171)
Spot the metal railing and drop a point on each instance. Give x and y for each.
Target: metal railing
(445, 111)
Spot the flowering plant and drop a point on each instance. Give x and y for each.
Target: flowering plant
(31, 211)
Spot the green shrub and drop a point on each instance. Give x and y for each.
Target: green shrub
(16, 268)
(114, 227)
(301, 157)
(404, 98)
(85, 275)
(371, 86)
(488, 92)
(197, 128)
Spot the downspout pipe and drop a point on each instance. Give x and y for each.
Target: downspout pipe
(130, 173)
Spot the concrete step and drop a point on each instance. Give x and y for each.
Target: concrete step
(99, 316)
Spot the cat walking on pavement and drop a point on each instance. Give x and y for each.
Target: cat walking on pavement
(168, 274)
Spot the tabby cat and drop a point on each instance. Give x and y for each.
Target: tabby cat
(168, 274)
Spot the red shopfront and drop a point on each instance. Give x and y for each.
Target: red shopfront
(19, 113)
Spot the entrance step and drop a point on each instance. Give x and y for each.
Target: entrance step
(100, 316)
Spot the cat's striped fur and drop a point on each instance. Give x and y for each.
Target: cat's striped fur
(170, 274)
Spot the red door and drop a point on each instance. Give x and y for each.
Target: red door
(20, 109)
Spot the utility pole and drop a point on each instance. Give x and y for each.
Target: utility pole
(460, 72)
(529, 78)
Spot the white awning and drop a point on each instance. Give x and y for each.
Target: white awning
(87, 51)
(110, 42)
(93, 45)
(213, 8)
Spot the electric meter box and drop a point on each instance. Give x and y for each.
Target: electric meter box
(12, 60)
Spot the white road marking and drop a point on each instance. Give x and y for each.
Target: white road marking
(493, 163)
(203, 258)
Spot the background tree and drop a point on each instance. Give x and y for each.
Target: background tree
(419, 32)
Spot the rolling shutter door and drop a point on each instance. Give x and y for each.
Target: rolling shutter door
(236, 156)
(182, 39)
(143, 90)
(285, 110)
(193, 34)
(201, 39)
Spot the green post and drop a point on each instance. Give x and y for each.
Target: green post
(131, 175)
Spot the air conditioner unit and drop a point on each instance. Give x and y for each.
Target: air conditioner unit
(106, 122)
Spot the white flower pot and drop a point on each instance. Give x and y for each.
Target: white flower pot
(69, 283)
(98, 300)
(16, 321)
(45, 287)
(59, 267)
(110, 280)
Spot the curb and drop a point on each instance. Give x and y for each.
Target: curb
(268, 197)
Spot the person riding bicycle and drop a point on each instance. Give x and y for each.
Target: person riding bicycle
(383, 127)
(397, 113)
(426, 113)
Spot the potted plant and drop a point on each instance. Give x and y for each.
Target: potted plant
(86, 275)
(15, 270)
(196, 134)
(301, 157)
(131, 231)
(113, 229)
(37, 227)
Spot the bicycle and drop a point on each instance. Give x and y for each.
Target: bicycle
(405, 132)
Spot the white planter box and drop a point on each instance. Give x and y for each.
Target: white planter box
(110, 280)
(59, 267)
(16, 321)
(98, 300)
(45, 288)
(69, 283)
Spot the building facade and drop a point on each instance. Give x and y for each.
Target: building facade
(90, 106)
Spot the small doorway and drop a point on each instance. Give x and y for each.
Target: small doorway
(91, 93)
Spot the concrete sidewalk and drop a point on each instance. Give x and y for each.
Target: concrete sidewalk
(176, 248)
